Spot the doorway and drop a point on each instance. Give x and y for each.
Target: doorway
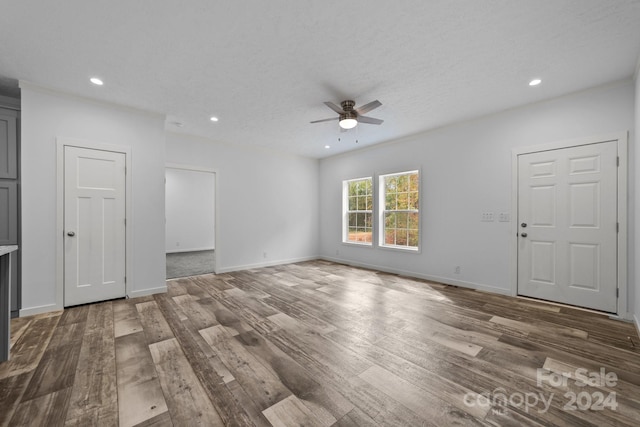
(570, 204)
(94, 224)
(190, 221)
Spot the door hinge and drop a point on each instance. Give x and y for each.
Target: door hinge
(125, 221)
(618, 161)
(617, 292)
(125, 279)
(617, 227)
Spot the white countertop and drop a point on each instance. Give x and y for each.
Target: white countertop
(7, 249)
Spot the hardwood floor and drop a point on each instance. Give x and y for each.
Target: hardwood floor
(320, 344)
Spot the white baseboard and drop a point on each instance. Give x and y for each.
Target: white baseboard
(150, 291)
(438, 279)
(30, 311)
(264, 264)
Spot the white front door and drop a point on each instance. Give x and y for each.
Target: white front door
(567, 225)
(94, 225)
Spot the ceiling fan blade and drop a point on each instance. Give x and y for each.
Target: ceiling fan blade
(334, 107)
(325, 120)
(368, 107)
(369, 120)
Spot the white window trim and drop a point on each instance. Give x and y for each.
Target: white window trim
(345, 213)
(380, 213)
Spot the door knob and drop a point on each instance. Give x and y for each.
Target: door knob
(524, 234)
(523, 225)
(71, 233)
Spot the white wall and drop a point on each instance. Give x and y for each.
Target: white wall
(189, 202)
(47, 115)
(267, 202)
(466, 169)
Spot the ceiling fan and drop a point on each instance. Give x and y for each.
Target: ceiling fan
(349, 117)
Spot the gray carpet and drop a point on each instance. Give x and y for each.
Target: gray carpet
(186, 264)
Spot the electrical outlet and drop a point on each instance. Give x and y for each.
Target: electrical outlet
(264, 254)
(487, 217)
(177, 244)
(337, 251)
(456, 270)
(504, 217)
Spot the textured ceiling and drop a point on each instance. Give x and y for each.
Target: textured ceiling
(266, 67)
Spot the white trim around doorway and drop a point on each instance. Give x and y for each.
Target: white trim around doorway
(622, 140)
(61, 143)
(215, 203)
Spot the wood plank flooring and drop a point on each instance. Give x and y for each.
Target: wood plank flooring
(320, 344)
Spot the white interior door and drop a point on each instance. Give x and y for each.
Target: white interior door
(94, 225)
(567, 225)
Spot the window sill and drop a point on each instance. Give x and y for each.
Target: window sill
(400, 248)
(361, 245)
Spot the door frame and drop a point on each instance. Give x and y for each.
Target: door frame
(61, 143)
(216, 219)
(622, 140)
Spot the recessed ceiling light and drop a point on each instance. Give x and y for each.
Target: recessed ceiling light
(96, 81)
(327, 146)
(213, 119)
(535, 82)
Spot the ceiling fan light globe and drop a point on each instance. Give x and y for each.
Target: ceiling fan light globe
(348, 123)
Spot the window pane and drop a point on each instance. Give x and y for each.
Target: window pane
(413, 238)
(413, 182)
(403, 203)
(368, 184)
(413, 221)
(353, 203)
(362, 203)
(390, 184)
(401, 220)
(390, 202)
(352, 220)
(390, 237)
(414, 200)
(353, 188)
(368, 220)
(403, 183)
(401, 237)
(369, 203)
(390, 220)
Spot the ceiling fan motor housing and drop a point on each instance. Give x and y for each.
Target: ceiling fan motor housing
(347, 105)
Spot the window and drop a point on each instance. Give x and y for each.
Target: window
(358, 211)
(400, 210)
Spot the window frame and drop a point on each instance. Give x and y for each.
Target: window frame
(381, 205)
(346, 211)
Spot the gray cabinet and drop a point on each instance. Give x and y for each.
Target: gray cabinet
(8, 213)
(8, 144)
(10, 196)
